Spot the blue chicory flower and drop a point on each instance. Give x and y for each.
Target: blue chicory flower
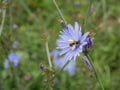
(71, 42)
(60, 62)
(13, 58)
(89, 43)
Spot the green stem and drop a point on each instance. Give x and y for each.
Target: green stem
(11, 16)
(87, 15)
(97, 77)
(48, 54)
(60, 12)
(64, 65)
(103, 2)
(28, 10)
(3, 20)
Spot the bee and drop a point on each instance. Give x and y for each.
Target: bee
(73, 44)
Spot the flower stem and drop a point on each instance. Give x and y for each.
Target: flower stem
(65, 65)
(97, 77)
(27, 9)
(60, 12)
(3, 20)
(48, 54)
(87, 15)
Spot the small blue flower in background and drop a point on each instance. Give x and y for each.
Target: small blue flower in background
(92, 9)
(60, 62)
(71, 42)
(15, 26)
(13, 58)
(15, 44)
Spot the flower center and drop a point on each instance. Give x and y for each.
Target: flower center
(73, 44)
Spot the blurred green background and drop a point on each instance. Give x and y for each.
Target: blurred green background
(37, 19)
